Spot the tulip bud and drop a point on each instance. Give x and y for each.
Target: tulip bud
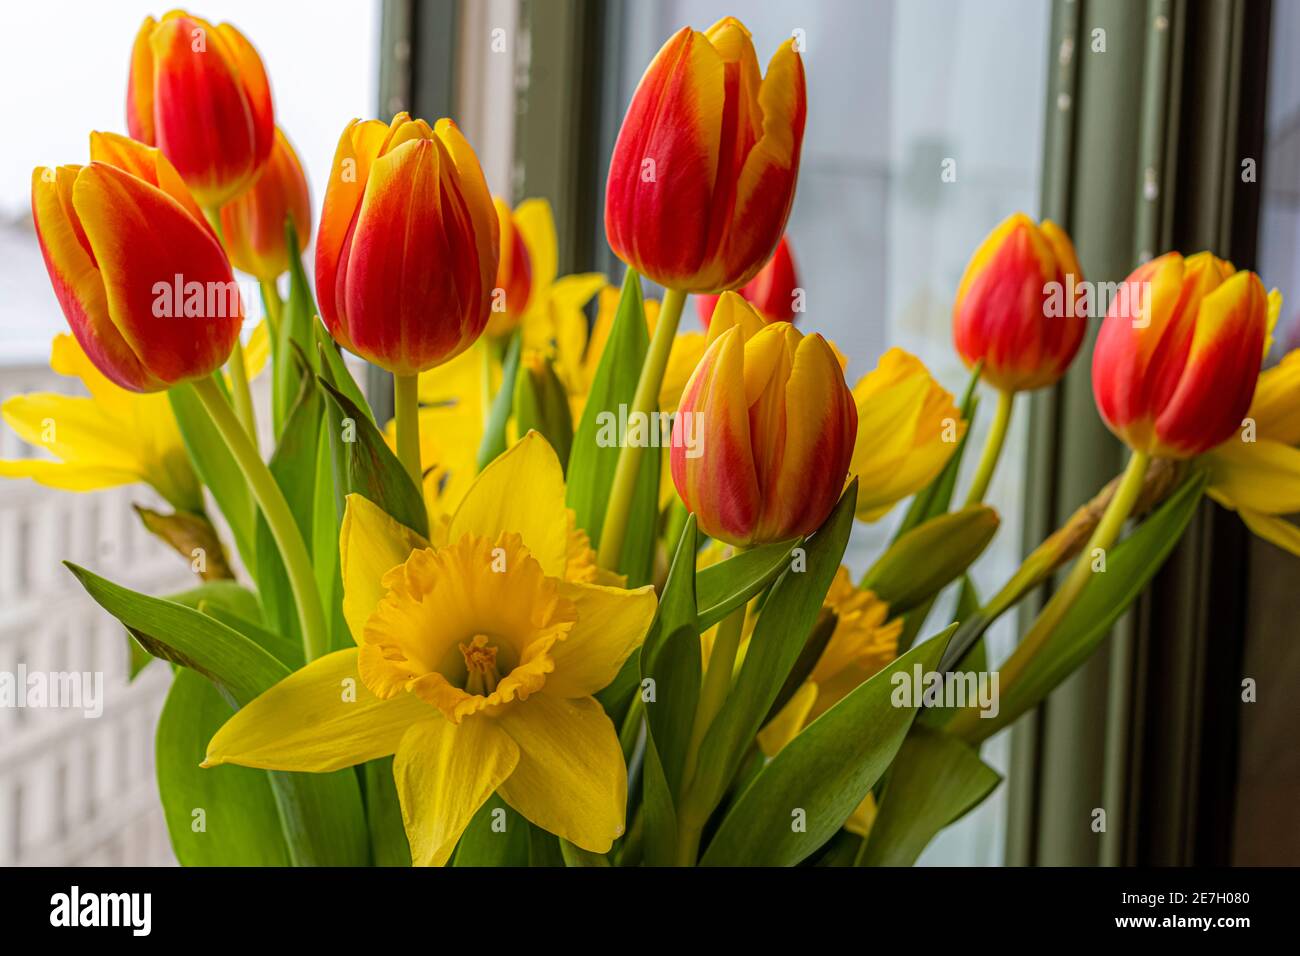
(542, 404)
(1020, 305)
(1178, 356)
(252, 223)
(514, 275)
(772, 292)
(762, 439)
(200, 94)
(703, 172)
(142, 280)
(406, 255)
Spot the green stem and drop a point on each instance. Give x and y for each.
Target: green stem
(406, 409)
(614, 528)
(713, 694)
(297, 561)
(274, 306)
(992, 448)
(1049, 619)
(241, 394)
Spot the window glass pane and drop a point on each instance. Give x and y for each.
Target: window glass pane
(898, 92)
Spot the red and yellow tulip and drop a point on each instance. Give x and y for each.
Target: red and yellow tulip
(773, 292)
(142, 280)
(1178, 356)
(200, 94)
(773, 423)
(703, 173)
(252, 224)
(406, 258)
(1006, 311)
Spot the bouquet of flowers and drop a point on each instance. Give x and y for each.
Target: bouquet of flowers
(582, 602)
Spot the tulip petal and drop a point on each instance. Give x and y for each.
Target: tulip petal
(612, 622)
(522, 491)
(317, 719)
(139, 89)
(257, 89)
(444, 773)
(371, 543)
(536, 223)
(147, 163)
(571, 779)
(143, 240)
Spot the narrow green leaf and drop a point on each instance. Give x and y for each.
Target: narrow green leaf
(934, 780)
(225, 816)
(542, 405)
(216, 468)
(825, 771)
(283, 648)
(388, 843)
(787, 618)
(925, 560)
(322, 814)
(496, 836)
(364, 464)
(493, 442)
(295, 339)
(335, 371)
(327, 517)
(229, 595)
(725, 586)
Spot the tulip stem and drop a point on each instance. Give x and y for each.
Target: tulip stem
(966, 721)
(692, 814)
(274, 307)
(406, 409)
(241, 394)
(645, 398)
(297, 561)
(997, 437)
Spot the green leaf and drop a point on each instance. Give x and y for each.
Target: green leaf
(283, 648)
(322, 814)
(925, 560)
(327, 517)
(934, 781)
(1130, 565)
(787, 618)
(216, 468)
(671, 658)
(293, 466)
(542, 405)
(228, 595)
(482, 845)
(335, 371)
(388, 843)
(591, 465)
(364, 464)
(725, 586)
(936, 497)
(225, 816)
(825, 771)
(493, 442)
(296, 339)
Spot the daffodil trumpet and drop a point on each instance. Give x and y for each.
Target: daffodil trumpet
(617, 512)
(270, 499)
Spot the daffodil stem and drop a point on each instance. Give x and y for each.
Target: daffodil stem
(274, 307)
(406, 409)
(966, 721)
(613, 530)
(992, 448)
(692, 814)
(297, 561)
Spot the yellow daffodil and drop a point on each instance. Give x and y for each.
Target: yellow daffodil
(477, 657)
(863, 643)
(1257, 472)
(908, 428)
(114, 437)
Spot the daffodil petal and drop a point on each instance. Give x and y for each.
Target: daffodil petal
(67, 476)
(1275, 530)
(1261, 475)
(370, 543)
(571, 779)
(860, 822)
(74, 429)
(521, 491)
(781, 729)
(611, 624)
(317, 719)
(444, 773)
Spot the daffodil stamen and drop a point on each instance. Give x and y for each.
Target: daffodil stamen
(481, 665)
